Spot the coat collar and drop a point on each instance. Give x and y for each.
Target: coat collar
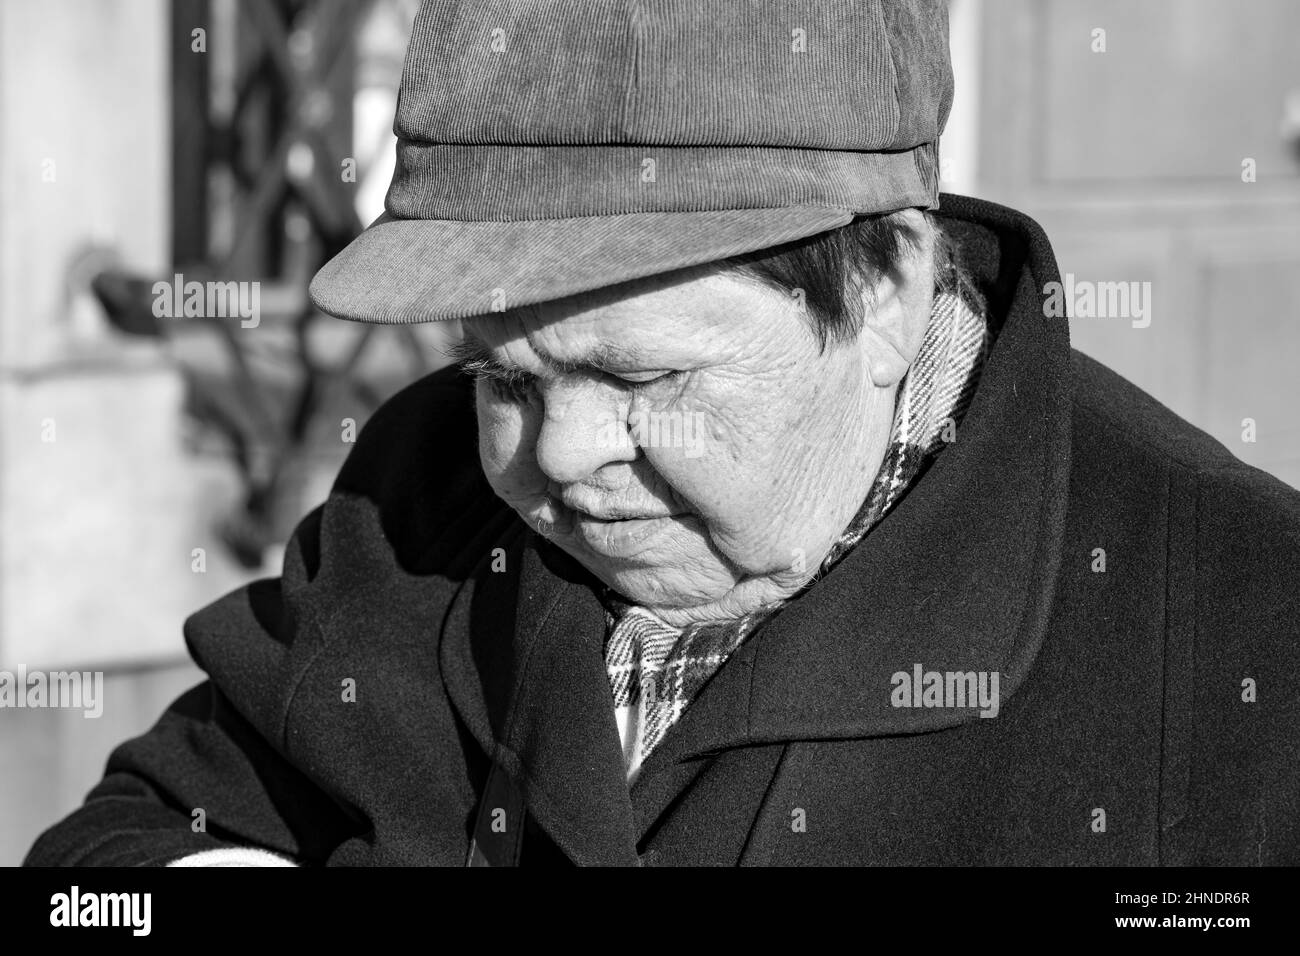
(958, 577)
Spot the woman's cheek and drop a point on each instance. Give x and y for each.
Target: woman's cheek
(507, 437)
(734, 488)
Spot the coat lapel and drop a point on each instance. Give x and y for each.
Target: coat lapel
(540, 702)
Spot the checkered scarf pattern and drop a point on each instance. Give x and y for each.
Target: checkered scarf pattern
(656, 670)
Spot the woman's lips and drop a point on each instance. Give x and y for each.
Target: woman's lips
(618, 538)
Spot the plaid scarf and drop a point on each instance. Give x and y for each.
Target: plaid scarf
(656, 670)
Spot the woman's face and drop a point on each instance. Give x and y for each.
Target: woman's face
(682, 436)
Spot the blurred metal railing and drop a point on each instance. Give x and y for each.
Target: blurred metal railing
(263, 138)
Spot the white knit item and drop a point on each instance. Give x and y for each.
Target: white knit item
(233, 856)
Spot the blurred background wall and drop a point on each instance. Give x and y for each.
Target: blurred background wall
(149, 465)
(1159, 142)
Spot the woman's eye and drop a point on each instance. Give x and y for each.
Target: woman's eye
(520, 387)
(646, 378)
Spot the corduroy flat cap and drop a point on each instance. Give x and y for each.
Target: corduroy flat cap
(549, 148)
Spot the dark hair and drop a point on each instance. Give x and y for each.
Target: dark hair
(832, 269)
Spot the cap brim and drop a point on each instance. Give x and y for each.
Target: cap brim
(421, 270)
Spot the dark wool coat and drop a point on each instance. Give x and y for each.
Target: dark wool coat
(1127, 731)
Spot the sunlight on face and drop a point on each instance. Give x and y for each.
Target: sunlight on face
(682, 436)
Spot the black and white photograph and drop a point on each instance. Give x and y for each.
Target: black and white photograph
(651, 433)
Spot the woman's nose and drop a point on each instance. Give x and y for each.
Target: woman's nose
(584, 426)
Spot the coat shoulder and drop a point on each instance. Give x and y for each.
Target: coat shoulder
(1111, 412)
(1245, 522)
(408, 518)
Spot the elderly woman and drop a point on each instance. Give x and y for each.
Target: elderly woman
(766, 517)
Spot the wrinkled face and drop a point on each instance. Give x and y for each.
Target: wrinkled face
(682, 436)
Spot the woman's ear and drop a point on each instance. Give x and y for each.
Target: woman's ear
(897, 307)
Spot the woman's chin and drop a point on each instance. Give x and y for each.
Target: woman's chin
(667, 590)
